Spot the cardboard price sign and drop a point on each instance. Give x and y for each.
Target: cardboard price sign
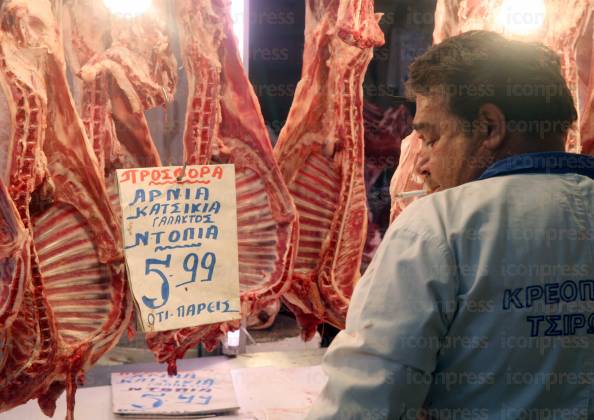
(180, 244)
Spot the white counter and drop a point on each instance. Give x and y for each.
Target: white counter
(272, 386)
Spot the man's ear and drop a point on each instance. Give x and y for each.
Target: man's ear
(492, 126)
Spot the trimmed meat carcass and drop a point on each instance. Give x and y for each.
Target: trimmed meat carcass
(82, 42)
(224, 124)
(320, 153)
(126, 68)
(75, 303)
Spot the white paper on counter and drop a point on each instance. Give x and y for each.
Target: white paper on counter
(270, 393)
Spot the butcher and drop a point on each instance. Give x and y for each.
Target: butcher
(479, 303)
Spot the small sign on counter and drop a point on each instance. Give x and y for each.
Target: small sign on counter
(180, 244)
(157, 395)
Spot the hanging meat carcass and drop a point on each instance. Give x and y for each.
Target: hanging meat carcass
(320, 154)
(126, 68)
(224, 124)
(82, 42)
(75, 303)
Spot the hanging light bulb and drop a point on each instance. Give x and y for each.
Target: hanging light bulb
(128, 8)
(522, 18)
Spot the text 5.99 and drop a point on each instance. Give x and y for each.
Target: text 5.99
(197, 266)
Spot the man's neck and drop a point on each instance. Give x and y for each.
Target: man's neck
(521, 145)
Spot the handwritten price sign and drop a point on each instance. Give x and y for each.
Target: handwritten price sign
(192, 392)
(180, 243)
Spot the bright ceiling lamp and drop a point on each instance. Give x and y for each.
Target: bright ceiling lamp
(522, 17)
(238, 14)
(128, 8)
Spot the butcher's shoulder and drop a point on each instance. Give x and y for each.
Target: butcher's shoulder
(454, 211)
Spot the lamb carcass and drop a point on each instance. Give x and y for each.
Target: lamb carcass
(224, 124)
(75, 303)
(320, 154)
(126, 68)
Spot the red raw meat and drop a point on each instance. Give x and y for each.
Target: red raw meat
(75, 303)
(126, 68)
(224, 124)
(320, 154)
